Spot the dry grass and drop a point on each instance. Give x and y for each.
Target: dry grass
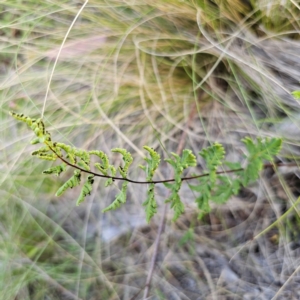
(129, 74)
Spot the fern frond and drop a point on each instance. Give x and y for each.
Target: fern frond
(57, 170)
(213, 156)
(72, 182)
(113, 172)
(22, 117)
(105, 168)
(177, 206)
(188, 159)
(251, 172)
(105, 162)
(35, 141)
(179, 164)
(36, 125)
(202, 200)
(127, 158)
(263, 149)
(150, 203)
(153, 163)
(86, 189)
(84, 165)
(211, 186)
(82, 154)
(66, 148)
(225, 188)
(46, 156)
(120, 199)
(41, 150)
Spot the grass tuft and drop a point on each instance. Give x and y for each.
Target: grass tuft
(130, 73)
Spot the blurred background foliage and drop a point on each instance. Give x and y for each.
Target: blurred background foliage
(132, 73)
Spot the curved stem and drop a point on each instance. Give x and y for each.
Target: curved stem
(267, 165)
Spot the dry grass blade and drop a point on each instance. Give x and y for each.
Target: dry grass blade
(128, 74)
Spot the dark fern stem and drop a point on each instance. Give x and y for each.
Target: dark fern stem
(213, 185)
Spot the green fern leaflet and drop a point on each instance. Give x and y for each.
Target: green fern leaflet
(220, 181)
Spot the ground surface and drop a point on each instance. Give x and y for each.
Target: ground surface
(157, 74)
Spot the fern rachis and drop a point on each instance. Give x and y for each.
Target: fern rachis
(212, 186)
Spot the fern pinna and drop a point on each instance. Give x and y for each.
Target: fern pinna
(213, 185)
